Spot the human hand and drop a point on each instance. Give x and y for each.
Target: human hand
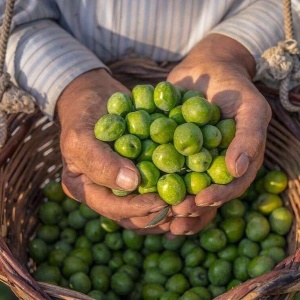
(90, 167)
(222, 69)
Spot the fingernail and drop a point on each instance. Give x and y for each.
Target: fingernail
(219, 203)
(242, 164)
(127, 179)
(203, 202)
(187, 215)
(188, 232)
(208, 204)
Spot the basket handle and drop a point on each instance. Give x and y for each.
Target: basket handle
(23, 283)
(282, 63)
(12, 98)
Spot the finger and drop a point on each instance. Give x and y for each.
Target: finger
(188, 208)
(102, 200)
(138, 225)
(98, 160)
(189, 226)
(153, 230)
(216, 195)
(250, 138)
(142, 222)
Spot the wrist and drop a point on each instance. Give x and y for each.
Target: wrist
(87, 94)
(220, 49)
(87, 81)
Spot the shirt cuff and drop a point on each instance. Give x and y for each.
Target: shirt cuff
(43, 59)
(257, 27)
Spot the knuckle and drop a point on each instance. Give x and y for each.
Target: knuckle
(67, 182)
(70, 188)
(70, 139)
(268, 111)
(265, 109)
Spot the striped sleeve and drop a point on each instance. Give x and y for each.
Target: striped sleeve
(43, 58)
(257, 26)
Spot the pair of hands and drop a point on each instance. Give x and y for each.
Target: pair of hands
(218, 66)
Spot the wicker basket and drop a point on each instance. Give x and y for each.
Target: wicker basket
(31, 157)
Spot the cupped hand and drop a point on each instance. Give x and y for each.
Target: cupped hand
(90, 167)
(218, 66)
(222, 69)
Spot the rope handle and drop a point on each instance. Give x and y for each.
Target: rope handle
(282, 63)
(5, 30)
(12, 98)
(288, 20)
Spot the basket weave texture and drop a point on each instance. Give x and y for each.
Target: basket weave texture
(31, 157)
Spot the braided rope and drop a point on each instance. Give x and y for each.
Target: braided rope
(4, 83)
(282, 62)
(4, 77)
(12, 99)
(292, 48)
(5, 31)
(3, 129)
(288, 20)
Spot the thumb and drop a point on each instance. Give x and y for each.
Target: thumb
(249, 142)
(99, 163)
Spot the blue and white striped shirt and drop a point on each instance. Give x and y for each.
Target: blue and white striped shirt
(54, 41)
